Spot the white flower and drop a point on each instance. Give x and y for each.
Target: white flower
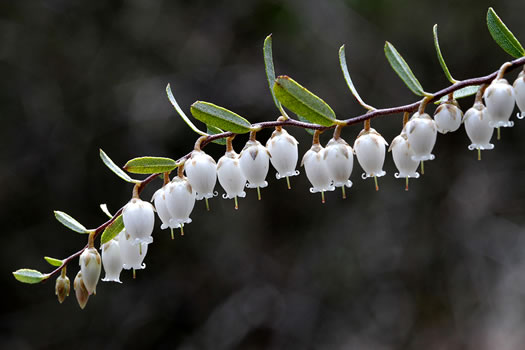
(421, 132)
(112, 261)
(161, 206)
(230, 175)
(478, 127)
(519, 90)
(90, 266)
(62, 288)
(180, 200)
(339, 161)
(448, 117)
(132, 254)
(499, 99)
(80, 290)
(402, 154)
(139, 219)
(316, 170)
(369, 148)
(201, 171)
(255, 161)
(283, 148)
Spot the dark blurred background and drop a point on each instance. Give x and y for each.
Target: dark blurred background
(439, 267)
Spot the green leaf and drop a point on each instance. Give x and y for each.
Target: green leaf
(270, 71)
(348, 79)
(53, 261)
(150, 165)
(29, 276)
(302, 102)
(402, 69)
(181, 112)
(105, 210)
(503, 36)
(220, 117)
(463, 92)
(69, 222)
(440, 56)
(210, 129)
(112, 230)
(114, 168)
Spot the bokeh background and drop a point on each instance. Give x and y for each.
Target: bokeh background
(439, 267)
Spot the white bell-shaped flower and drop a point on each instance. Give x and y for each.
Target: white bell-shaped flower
(112, 261)
(90, 266)
(478, 127)
(339, 161)
(230, 176)
(448, 117)
(369, 148)
(316, 169)
(139, 219)
(161, 206)
(180, 200)
(283, 148)
(499, 100)
(255, 162)
(132, 254)
(421, 132)
(201, 171)
(519, 91)
(402, 154)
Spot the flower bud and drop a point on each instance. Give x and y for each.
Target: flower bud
(421, 132)
(316, 170)
(478, 127)
(112, 261)
(62, 288)
(284, 153)
(132, 254)
(90, 266)
(80, 290)
(519, 90)
(339, 161)
(180, 200)
(230, 175)
(161, 206)
(369, 148)
(448, 117)
(254, 161)
(139, 219)
(499, 99)
(402, 154)
(201, 171)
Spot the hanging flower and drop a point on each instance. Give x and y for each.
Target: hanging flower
(284, 153)
(180, 200)
(316, 169)
(421, 132)
(139, 219)
(448, 117)
(478, 127)
(499, 100)
(90, 266)
(230, 176)
(161, 206)
(369, 148)
(112, 261)
(339, 160)
(402, 154)
(62, 286)
(132, 254)
(81, 291)
(255, 162)
(201, 171)
(519, 90)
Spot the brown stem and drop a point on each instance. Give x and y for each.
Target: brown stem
(253, 134)
(91, 240)
(479, 94)
(180, 170)
(423, 104)
(136, 190)
(198, 143)
(406, 115)
(450, 97)
(166, 177)
(367, 124)
(229, 145)
(315, 140)
(337, 132)
(502, 69)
